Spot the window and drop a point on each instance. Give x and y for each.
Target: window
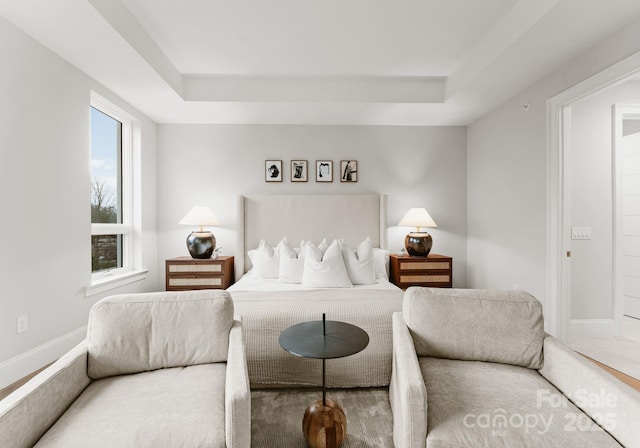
(113, 244)
(106, 192)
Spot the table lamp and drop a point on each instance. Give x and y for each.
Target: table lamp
(418, 244)
(200, 243)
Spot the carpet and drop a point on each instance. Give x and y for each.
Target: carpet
(276, 416)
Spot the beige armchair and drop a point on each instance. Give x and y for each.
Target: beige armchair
(156, 370)
(474, 368)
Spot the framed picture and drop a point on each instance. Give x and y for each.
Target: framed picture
(299, 171)
(348, 171)
(324, 171)
(273, 170)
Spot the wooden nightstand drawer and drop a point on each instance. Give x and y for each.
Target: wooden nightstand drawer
(425, 278)
(423, 266)
(195, 267)
(432, 271)
(182, 282)
(186, 273)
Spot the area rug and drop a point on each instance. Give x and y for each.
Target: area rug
(276, 416)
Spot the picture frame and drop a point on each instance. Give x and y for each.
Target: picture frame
(273, 170)
(299, 171)
(324, 170)
(349, 170)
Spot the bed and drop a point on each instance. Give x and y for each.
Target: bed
(268, 306)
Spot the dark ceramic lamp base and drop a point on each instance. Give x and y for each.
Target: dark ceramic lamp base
(418, 244)
(201, 244)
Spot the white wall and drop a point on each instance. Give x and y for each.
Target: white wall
(506, 215)
(507, 169)
(416, 166)
(45, 202)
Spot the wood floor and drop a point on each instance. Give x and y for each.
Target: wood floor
(621, 376)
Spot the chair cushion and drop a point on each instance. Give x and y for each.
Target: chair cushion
(141, 332)
(164, 408)
(480, 404)
(476, 325)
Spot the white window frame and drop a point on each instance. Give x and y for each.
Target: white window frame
(130, 271)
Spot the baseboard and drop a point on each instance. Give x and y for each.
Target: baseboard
(591, 328)
(25, 363)
(630, 328)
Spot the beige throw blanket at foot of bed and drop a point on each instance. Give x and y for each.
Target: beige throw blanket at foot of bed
(266, 314)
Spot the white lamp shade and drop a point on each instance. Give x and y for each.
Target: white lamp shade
(417, 217)
(200, 216)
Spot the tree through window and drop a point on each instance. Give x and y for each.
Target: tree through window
(106, 191)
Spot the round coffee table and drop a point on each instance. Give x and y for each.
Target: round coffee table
(324, 424)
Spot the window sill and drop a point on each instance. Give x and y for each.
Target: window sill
(109, 282)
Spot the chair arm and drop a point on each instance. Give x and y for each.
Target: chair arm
(407, 391)
(608, 401)
(237, 394)
(29, 412)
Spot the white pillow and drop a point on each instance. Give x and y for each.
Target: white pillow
(324, 271)
(360, 262)
(381, 262)
(266, 260)
(323, 246)
(291, 263)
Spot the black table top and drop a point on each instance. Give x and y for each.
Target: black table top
(340, 339)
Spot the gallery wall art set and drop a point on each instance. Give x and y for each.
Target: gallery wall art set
(299, 171)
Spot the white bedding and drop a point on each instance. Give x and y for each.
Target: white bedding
(249, 282)
(268, 307)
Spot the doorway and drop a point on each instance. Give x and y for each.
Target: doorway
(626, 144)
(594, 225)
(559, 206)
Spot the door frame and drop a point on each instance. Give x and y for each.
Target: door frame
(558, 188)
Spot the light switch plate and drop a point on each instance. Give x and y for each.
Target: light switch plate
(580, 233)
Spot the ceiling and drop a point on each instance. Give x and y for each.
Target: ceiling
(377, 62)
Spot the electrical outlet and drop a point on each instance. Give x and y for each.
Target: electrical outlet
(22, 324)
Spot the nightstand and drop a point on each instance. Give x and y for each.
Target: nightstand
(185, 273)
(433, 271)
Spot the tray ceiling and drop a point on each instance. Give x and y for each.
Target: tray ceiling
(368, 62)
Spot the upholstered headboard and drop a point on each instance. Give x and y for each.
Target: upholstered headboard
(352, 217)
